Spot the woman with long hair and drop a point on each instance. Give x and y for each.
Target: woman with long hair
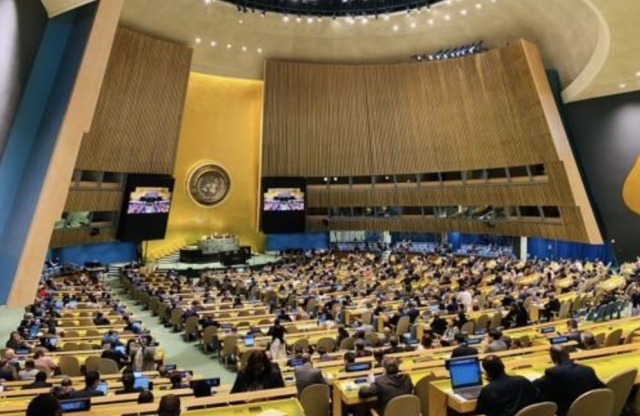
(259, 374)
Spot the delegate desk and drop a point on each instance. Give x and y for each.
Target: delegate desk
(615, 360)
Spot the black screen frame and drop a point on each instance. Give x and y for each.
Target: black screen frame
(283, 222)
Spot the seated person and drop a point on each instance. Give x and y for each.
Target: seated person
(65, 390)
(145, 396)
(306, 375)
(360, 350)
(16, 342)
(128, 381)
(438, 324)
(44, 405)
(495, 343)
(113, 353)
(462, 349)
(40, 382)
(259, 374)
(91, 380)
(504, 395)
(566, 381)
(29, 372)
(130, 326)
(177, 381)
(588, 341)
(393, 346)
(169, 406)
(387, 386)
(101, 320)
(349, 358)
(111, 337)
(41, 358)
(7, 371)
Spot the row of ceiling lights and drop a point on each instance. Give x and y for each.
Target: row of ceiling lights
(214, 44)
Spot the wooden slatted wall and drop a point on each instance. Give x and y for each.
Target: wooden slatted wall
(484, 111)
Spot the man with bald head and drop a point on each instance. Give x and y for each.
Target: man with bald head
(566, 381)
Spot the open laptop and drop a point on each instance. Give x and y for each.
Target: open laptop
(249, 341)
(548, 330)
(474, 341)
(559, 340)
(466, 377)
(353, 367)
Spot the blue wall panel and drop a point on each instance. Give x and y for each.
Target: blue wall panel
(305, 241)
(33, 134)
(105, 253)
(552, 249)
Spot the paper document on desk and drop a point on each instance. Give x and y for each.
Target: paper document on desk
(272, 412)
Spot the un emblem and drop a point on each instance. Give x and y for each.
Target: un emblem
(208, 184)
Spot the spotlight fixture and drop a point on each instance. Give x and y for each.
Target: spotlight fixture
(450, 53)
(341, 8)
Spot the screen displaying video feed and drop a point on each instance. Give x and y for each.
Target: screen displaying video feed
(153, 200)
(145, 207)
(284, 199)
(283, 205)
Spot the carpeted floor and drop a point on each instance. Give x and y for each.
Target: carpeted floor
(187, 356)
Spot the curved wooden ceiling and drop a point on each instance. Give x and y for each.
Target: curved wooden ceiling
(590, 42)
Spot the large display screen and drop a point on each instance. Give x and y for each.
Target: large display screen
(283, 199)
(153, 200)
(145, 207)
(283, 205)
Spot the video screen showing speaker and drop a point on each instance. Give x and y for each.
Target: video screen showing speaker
(145, 207)
(283, 205)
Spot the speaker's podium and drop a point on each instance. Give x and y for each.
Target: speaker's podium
(217, 248)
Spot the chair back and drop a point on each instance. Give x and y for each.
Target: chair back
(72, 334)
(70, 346)
(367, 318)
(230, 344)
(621, 385)
(85, 346)
(93, 333)
(483, 321)
(191, 327)
(108, 366)
(372, 338)
(327, 343)
(422, 391)
(92, 363)
(208, 336)
(468, 328)
(598, 402)
(539, 409)
(347, 344)
(302, 343)
(69, 366)
(613, 338)
(496, 321)
(403, 325)
(405, 405)
(315, 400)
(564, 310)
(599, 338)
(176, 319)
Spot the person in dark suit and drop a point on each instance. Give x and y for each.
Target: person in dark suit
(388, 386)
(40, 382)
(7, 373)
(552, 307)
(259, 374)
(505, 395)
(128, 381)
(101, 320)
(116, 355)
(91, 381)
(306, 375)
(394, 346)
(462, 349)
(566, 381)
(438, 324)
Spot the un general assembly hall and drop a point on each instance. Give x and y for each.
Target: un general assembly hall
(320, 207)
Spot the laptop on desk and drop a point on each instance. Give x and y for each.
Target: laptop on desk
(466, 377)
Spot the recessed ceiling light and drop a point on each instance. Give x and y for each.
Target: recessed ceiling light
(198, 40)
(447, 17)
(385, 17)
(395, 28)
(622, 85)
(463, 12)
(259, 50)
(298, 19)
(413, 25)
(365, 20)
(228, 46)
(285, 19)
(213, 43)
(309, 20)
(478, 6)
(638, 74)
(207, 1)
(430, 22)
(240, 21)
(244, 49)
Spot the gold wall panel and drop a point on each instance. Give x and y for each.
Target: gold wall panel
(631, 188)
(137, 120)
(491, 110)
(221, 124)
